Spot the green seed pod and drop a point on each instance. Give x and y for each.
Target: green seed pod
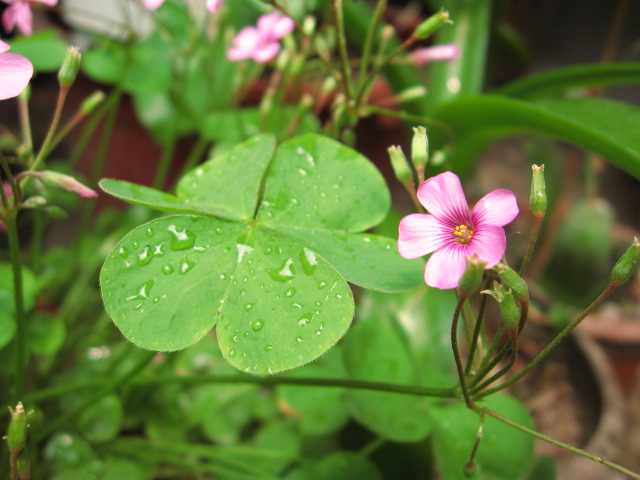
(509, 310)
(92, 102)
(431, 24)
(420, 147)
(513, 281)
(472, 277)
(538, 198)
(70, 67)
(17, 431)
(400, 164)
(625, 267)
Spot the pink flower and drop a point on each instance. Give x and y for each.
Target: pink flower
(15, 73)
(18, 14)
(445, 53)
(214, 5)
(451, 232)
(261, 43)
(152, 4)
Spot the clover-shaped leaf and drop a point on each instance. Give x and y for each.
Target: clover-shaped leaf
(260, 250)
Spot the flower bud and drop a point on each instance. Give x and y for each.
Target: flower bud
(70, 67)
(509, 310)
(420, 147)
(400, 164)
(411, 93)
(35, 201)
(472, 276)
(92, 102)
(625, 267)
(64, 182)
(431, 24)
(513, 281)
(17, 431)
(538, 198)
(309, 26)
(444, 53)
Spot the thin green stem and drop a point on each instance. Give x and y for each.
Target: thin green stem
(478, 326)
(372, 446)
(248, 379)
(557, 443)
(513, 343)
(369, 41)
(195, 155)
(338, 17)
(456, 353)
(110, 387)
(25, 124)
(533, 239)
(18, 295)
(487, 362)
(45, 149)
(165, 163)
(607, 291)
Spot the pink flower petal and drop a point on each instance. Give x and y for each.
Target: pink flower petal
(214, 5)
(490, 243)
(267, 23)
(50, 3)
(266, 52)
(495, 208)
(4, 46)
(283, 27)
(18, 15)
(444, 198)
(446, 53)
(445, 267)
(16, 71)
(421, 234)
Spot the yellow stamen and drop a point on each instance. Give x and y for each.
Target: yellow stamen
(464, 234)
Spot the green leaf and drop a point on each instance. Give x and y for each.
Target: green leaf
(234, 198)
(102, 421)
(305, 197)
(345, 466)
(577, 76)
(505, 453)
(603, 126)
(106, 63)
(375, 351)
(168, 282)
(29, 287)
(46, 333)
(7, 328)
(45, 50)
(319, 410)
(263, 281)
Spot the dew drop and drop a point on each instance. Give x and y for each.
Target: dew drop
(268, 348)
(304, 319)
(338, 296)
(182, 239)
(186, 265)
(308, 260)
(235, 339)
(145, 257)
(291, 292)
(143, 293)
(242, 251)
(257, 325)
(167, 269)
(232, 353)
(299, 339)
(157, 250)
(156, 299)
(149, 232)
(321, 285)
(248, 307)
(135, 245)
(218, 230)
(123, 252)
(296, 305)
(284, 273)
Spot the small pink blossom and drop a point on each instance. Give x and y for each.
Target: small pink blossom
(261, 42)
(15, 73)
(446, 53)
(214, 5)
(450, 232)
(18, 14)
(152, 4)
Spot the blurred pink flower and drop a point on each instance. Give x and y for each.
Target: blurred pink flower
(64, 182)
(214, 5)
(18, 14)
(451, 232)
(152, 4)
(261, 42)
(15, 72)
(445, 53)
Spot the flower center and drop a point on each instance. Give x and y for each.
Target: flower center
(463, 234)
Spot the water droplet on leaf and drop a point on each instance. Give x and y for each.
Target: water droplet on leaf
(257, 325)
